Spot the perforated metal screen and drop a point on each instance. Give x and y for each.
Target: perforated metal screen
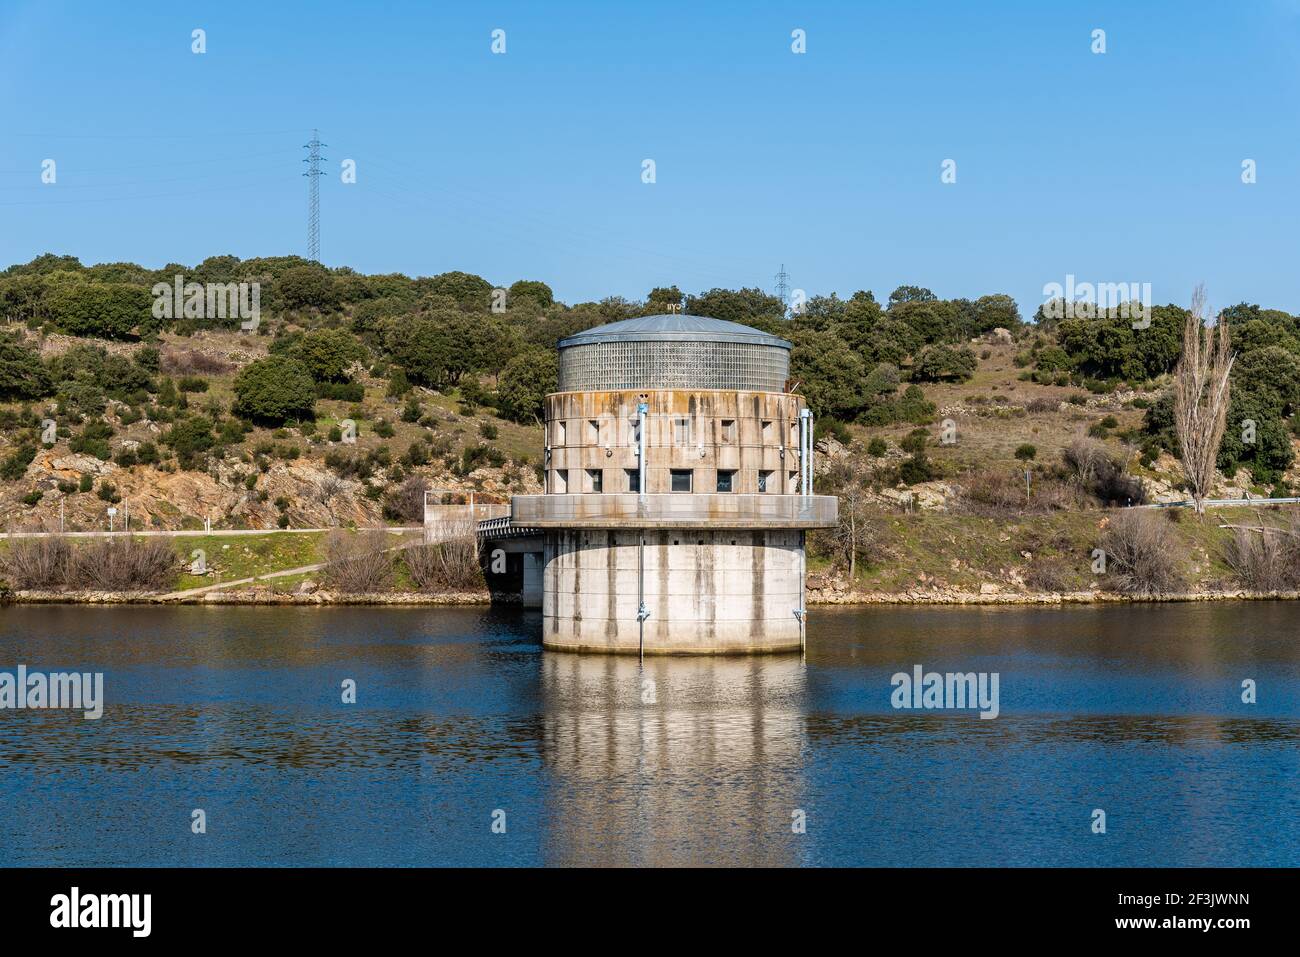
(673, 364)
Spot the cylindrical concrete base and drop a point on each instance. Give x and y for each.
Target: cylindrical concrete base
(707, 591)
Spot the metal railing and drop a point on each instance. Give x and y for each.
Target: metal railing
(675, 511)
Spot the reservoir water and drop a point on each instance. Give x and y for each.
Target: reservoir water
(461, 720)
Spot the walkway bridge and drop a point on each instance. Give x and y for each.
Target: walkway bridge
(510, 553)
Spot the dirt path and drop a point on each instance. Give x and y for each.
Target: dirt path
(283, 573)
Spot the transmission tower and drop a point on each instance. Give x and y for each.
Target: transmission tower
(313, 175)
(783, 289)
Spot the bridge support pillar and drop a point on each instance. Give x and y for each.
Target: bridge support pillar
(534, 574)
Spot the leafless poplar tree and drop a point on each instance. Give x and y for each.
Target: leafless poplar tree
(1201, 393)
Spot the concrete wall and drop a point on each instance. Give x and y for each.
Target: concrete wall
(708, 591)
(704, 431)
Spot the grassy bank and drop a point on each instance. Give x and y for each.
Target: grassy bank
(1030, 554)
(906, 556)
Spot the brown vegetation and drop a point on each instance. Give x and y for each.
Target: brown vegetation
(193, 362)
(1140, 555)
(1266, 558)
(1095, 469)
(116, 564)
(450, 565)
(359, 562)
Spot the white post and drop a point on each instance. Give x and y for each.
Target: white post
(806, 449)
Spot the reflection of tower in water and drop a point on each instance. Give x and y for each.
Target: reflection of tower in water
(674, 760)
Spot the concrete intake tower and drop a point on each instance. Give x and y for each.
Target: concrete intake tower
(678, 492)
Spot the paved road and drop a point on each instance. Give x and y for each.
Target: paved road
(217, 532)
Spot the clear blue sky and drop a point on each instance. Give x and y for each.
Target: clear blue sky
(1117, 167)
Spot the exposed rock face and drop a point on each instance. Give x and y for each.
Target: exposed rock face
(828, 451)
(1161, 490)
(175, 500)
(71, 466)
(926, 495)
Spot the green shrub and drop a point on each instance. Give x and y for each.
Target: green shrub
(340, 391)
(189, 438)
(915, 442)
(93, 440)
(14, 465)
(937, 363)
(275, 390)
(916, 468)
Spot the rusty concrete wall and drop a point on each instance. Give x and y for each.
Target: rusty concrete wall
(702, 430)
(708, 591)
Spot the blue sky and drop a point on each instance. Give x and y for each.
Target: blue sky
(1124, 166)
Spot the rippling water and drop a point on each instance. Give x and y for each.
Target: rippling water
(596, 760)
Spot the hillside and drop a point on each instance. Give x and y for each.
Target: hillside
(958, 436)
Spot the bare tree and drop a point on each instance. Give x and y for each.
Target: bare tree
(856, 531)
(1201, 393)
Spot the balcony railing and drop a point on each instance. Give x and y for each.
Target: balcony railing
(629, 510)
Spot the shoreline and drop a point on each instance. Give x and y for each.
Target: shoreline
(324, 599)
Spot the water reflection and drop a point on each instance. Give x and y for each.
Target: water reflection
(673, 761)
(603, 760)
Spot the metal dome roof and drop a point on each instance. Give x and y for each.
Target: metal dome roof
(674, 327)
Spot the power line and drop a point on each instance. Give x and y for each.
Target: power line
(313, 175)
